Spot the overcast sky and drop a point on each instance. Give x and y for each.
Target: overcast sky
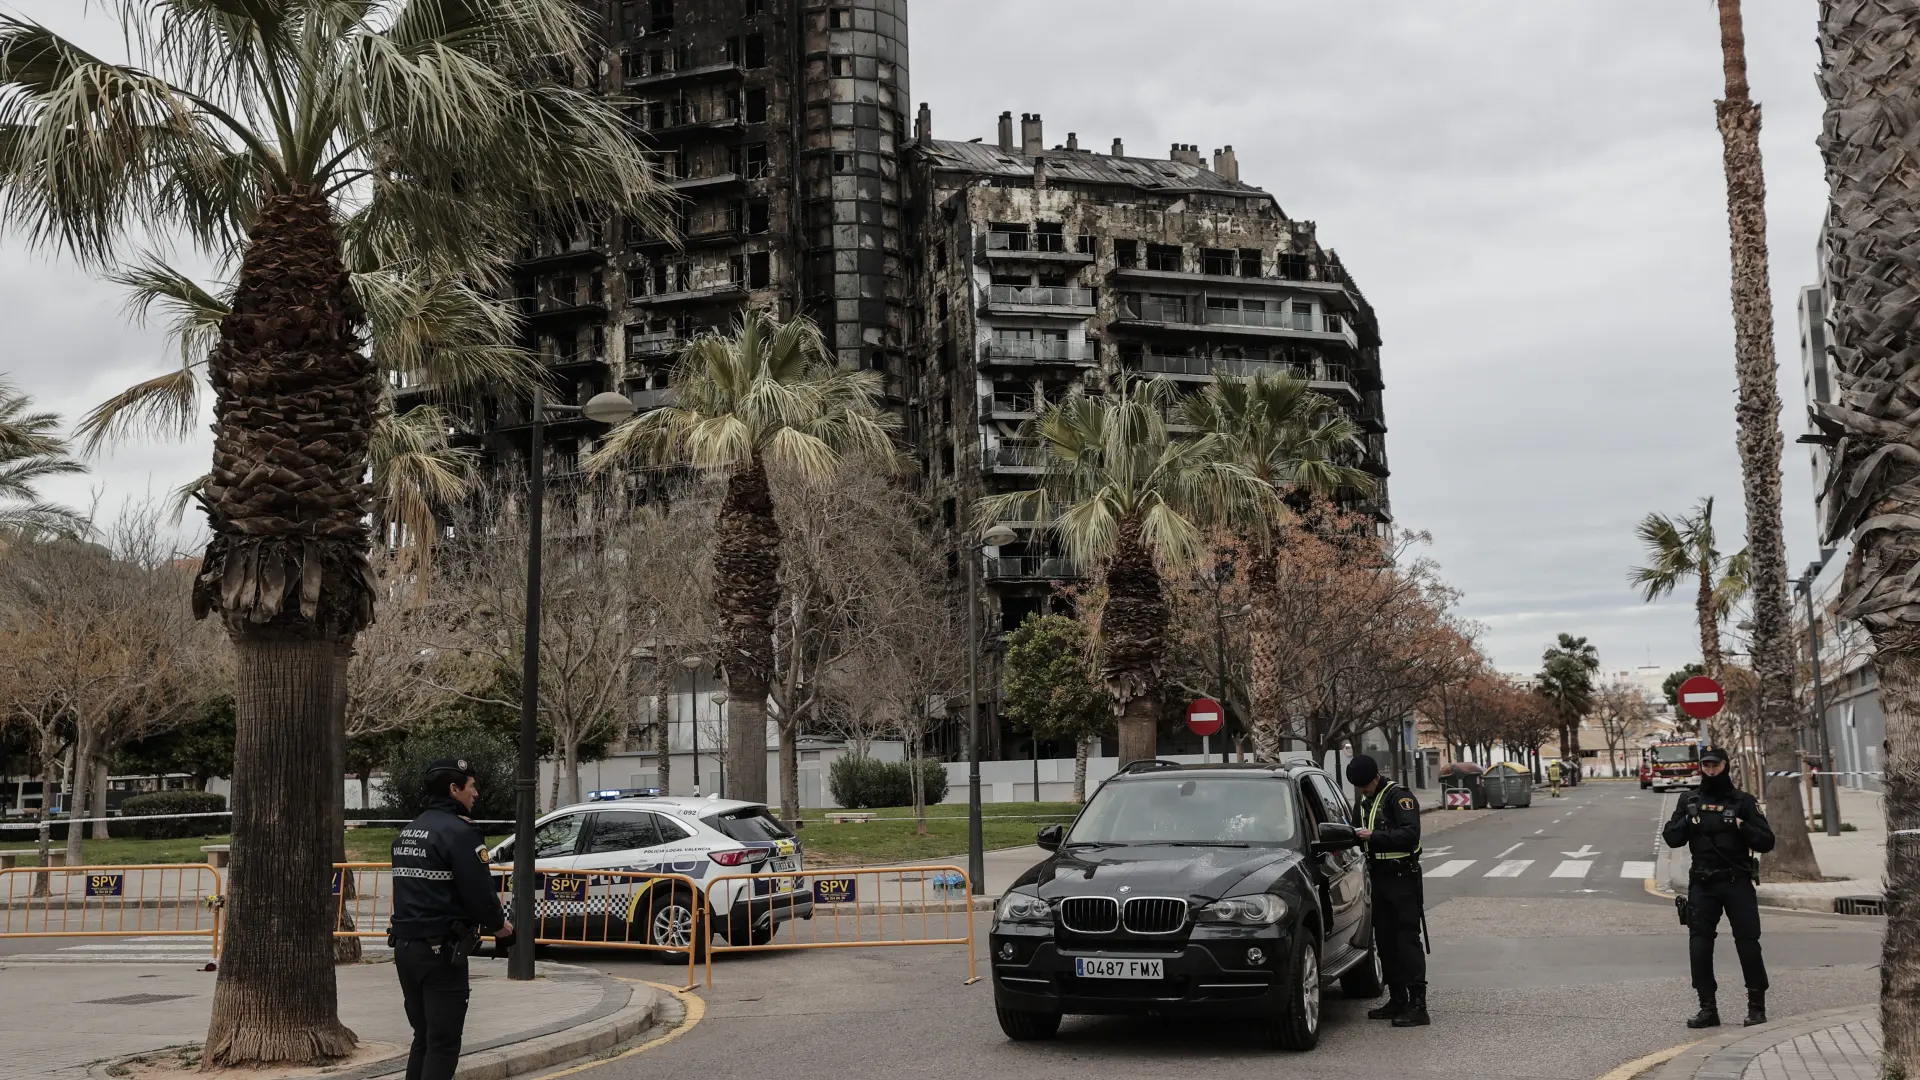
(1529, 191)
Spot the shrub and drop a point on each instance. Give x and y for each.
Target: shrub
(862, 783)
(173, 802)
(490, 755)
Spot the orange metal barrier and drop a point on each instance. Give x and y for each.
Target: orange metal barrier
(161, 900)
(602, 909)
(849, 909)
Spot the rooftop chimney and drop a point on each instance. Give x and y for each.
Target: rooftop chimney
(1006, 133)
(1226, 164)
(1040, 172)
(1030, 141)
(1187, 153)
(923, 125)
(1119, 148)
(1073, 140)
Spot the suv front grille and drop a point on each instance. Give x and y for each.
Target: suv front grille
(1090, 914)
(1155, 915)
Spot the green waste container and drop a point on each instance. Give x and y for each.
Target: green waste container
(1508, 784)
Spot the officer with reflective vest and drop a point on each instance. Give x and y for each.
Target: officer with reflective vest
(1722, 826)
(443, 900)
(1391, 838)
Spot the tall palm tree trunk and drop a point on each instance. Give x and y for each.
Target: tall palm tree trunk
(746, 565)
(1870, 76)
(1758, 414)
(1266, 689)
(346, 950)
(1709, 627)
(287, 570)
(662, 732)
(1133, 628)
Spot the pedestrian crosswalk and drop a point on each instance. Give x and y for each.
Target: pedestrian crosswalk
(1573, 869)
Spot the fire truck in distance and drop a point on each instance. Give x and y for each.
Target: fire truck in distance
(1673, 763)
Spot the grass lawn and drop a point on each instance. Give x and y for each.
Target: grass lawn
(890, 837)
(363, 845)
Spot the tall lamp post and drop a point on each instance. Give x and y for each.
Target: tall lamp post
(719, 698)
(608, 408)
(693, 663)
(976, 840)
(1829, 790)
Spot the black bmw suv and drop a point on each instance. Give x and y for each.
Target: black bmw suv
(1230, 892)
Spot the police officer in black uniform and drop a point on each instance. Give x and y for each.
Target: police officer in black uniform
(1390, 834)
(1723, 827)
(443, 900)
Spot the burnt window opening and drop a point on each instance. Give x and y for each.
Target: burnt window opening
(751, 160)
(596, 288)
(946, 417)
(1010, 279)
(632, 65)
(948, 512)
(759, 270)
(842, 163)
(1055, 278)
(757, 105)
(1126, 254)
(656, 115)
(843, 67)
(1216, 262)
(737, 270)
(661, 282)
(756, 51)
(1249, 262)
(733, 51)
(1292, 266)
(946, 458)
(1050, 236)
(759, 217)
(1087, 244)
(662, 17)
(756, 7)
(683, 276)
(1164, 257)
(839, 19)
(942, 306)
(599, 342)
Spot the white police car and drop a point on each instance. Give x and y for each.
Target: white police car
(701, 839)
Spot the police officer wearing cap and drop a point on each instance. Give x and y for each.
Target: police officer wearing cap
(1390, 834)
(443, 900)
(1722, 826)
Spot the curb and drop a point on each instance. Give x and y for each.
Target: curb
(624, 1011)
(1726, 1056)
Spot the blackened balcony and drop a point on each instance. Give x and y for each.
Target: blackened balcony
(686, 75)
(1033, 568)
(1009, 246)
(1017, 457)
(1028, 352)
(1062, 300)
(1009, 406)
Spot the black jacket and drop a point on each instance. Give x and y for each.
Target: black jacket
(1705, 825)
(440, 876)
(1395, 823)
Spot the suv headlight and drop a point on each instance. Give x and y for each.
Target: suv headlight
(1260, 910)
(1024, 908)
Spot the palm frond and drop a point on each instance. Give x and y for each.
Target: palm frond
(165, 405)
(193, 312)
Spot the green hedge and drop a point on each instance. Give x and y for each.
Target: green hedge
(489, 754)
(172, 802)
(861, 783)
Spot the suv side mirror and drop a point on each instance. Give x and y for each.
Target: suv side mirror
(1335, 836)
(1049, 838)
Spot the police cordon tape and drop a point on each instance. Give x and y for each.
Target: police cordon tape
(31, 826)
(1821, 772)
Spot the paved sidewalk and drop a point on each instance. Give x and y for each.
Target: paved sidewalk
(1839, 1044)
(65, 1022)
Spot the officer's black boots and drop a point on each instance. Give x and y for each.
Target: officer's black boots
(1416, 1011)
(1396, 1004)
(1709, 1014)
(1756, 1007)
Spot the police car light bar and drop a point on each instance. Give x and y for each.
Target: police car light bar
(622, 793)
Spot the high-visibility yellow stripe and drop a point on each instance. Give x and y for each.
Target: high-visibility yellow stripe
(1373, 817)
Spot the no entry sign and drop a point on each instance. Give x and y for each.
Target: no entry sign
(1702, 698)
(1204, 717)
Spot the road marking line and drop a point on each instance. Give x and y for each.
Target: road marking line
(1510, 868)
(1573, 868)
(1537, 832)
(1448, 869)
(696, 1010)
(1645, 1065)
(1510, 850)
(1637, 869)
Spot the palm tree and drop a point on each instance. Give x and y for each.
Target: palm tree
(1297, 441)
(768, 397)
(31, 451)
(1566, 675)
(1869, 147)
(1123, 495)
(1683, 547)
(1758, 414)
(258, 131)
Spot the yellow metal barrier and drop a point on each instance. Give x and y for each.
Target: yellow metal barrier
(602, 909)
(848, 909)
(159, 900)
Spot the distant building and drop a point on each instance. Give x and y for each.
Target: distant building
(1855, 722)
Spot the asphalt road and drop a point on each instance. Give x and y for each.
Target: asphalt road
(1532, 975)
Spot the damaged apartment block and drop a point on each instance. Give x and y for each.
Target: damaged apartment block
(1045, 270)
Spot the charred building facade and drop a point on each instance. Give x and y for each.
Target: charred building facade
(1042, 270)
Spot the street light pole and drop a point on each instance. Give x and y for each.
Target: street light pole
(606, 408)
(976, 840)
(1829, 789)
